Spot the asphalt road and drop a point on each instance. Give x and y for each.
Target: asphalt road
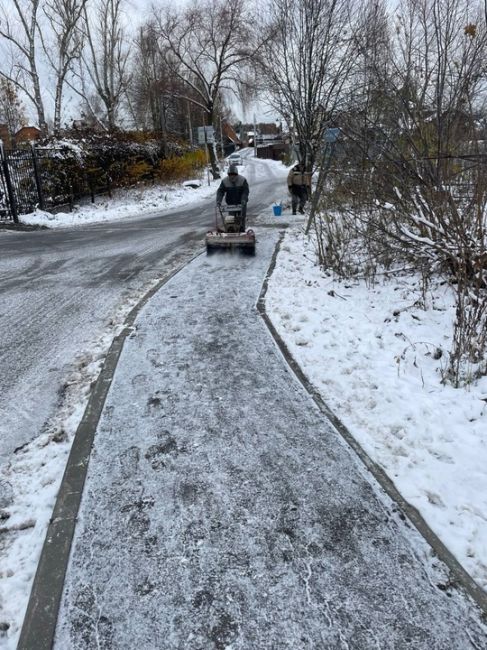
(221, 508)
(61, 291)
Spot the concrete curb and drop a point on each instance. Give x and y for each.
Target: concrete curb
(460, 577)
(39, 626)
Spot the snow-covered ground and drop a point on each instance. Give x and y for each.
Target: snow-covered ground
(126, 203)
(372, 355)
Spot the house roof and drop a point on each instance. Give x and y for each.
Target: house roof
(27, 128)
(230, 133)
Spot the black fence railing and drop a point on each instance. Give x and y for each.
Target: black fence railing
(46, 178)
(8, 208)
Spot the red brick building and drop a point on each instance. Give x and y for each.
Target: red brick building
(27, 134)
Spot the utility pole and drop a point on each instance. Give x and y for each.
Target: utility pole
(221, 137)
(255, 138)
(190, 125)
(207, 155)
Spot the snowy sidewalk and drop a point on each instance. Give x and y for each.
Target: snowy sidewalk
(221, 510)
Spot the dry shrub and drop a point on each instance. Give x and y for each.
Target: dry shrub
(139, 171)
(180, 167)
(435, 233)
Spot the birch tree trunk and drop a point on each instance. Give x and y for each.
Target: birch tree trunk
(104, 58)
(21, 29)
(63, 47)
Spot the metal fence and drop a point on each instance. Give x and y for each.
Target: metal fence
(45, 178)
(5, 208)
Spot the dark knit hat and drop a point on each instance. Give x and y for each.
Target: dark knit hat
(233, 169)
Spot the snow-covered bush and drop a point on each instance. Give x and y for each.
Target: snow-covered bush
(409, 188)
(86, 164)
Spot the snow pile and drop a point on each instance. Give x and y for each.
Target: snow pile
(125, 203)
(377, 358)
(34, 475)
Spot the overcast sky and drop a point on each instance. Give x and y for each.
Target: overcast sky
(136, 13)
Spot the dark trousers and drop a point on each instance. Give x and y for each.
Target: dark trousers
(299, 196)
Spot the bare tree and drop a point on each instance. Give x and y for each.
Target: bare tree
(12, 112)
(64, 18)
(359, 115)
(420, 191)
(104, 59)
(21, 30)
(147, 91)
(151, 96)
(210, 47)
(307, 65)
(156, 98)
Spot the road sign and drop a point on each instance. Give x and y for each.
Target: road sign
(205, 134)
(332, 135)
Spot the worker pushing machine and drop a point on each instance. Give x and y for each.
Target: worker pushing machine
(235, 189)
(229, 232)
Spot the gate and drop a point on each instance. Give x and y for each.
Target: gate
(19, 183)
(8, 206)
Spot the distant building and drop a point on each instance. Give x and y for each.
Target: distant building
(88, 125)
(27, 134)
(269, 129)
(231, 141)
(79, 125)
(262, 133)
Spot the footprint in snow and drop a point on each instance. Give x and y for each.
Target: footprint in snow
(129, 461)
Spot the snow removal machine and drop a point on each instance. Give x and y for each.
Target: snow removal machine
(229, 232)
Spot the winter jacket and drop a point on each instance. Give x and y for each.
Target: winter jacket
(298, 181)
(235, 190)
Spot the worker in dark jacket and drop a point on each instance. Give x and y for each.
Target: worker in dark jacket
(235, 189)
(299, 184)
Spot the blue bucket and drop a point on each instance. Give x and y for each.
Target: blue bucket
(277, 210)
